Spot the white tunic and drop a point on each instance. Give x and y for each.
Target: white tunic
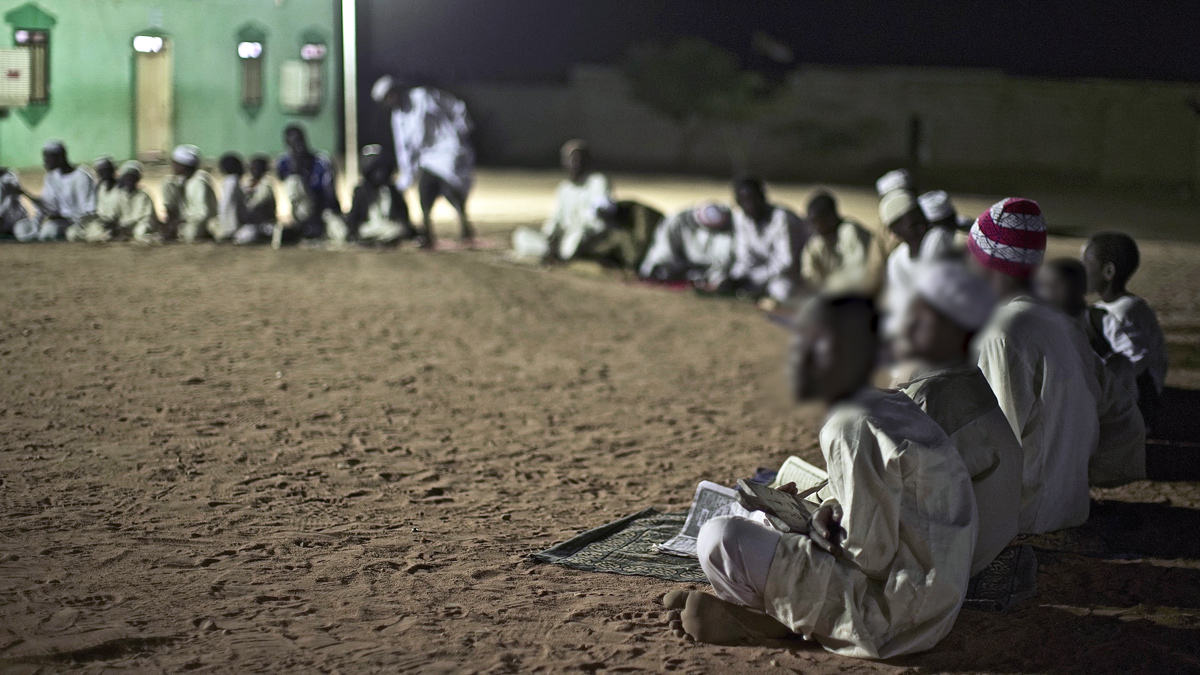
(1131, 327)
(575, 216)
(71, 196)
(901, 274)
(910, 521)
(11, 209)
(685, 249)
(764, 257)
(433, 135)
(1033, 358)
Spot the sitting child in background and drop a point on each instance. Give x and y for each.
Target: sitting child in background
(258, 214)
(101, 227)
(694, 245)
(1129, 325)
(232, 207)
(378, 212)
(11, 209)
(134, 213)
(885, 565)
(766, 238)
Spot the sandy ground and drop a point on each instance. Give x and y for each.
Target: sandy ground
(219, 460)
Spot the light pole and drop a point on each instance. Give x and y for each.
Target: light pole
(350, 85)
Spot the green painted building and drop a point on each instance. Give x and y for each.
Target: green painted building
(132, 78)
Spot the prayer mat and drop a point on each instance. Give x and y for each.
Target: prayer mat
(627, 547)
(1011, 578)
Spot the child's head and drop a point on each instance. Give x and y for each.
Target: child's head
(1062, 282)
(231, 164)
(376, 166)
(950, 306)
(106, 171)
(834, 348)
(259, 165)
(1110, 258)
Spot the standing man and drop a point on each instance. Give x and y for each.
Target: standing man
(431, 129)
(310, 181)
(189, 198)
(68, 197)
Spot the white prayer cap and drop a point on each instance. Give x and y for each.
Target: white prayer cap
(937, 206)
(898, 179)
(950, 288)
(382, 86)
(103, 160)
(711, 215)
(53, 145)
(894, 205)
(131, 165)
(187, 155)
(572, 146)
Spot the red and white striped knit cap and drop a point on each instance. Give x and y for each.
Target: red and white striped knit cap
(1010, 237)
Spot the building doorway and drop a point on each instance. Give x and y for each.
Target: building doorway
(155, 104)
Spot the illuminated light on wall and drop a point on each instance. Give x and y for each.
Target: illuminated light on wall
(250, 50)
(147, 44)
(312, 52)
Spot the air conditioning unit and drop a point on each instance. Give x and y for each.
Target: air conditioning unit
(300, 86)
(16, 84)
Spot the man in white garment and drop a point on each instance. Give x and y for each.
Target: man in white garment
(11, 209)
(190, 200)
(897, 179)
(949, 306)
(694, 245)
(68, 198)
(583, 203)
(765, 239)
(884, 566)
(841, 256)
(920, 243)
(432, 131)
(102, 226)
(1076, 424)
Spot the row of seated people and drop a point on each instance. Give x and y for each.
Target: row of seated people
(107, 202)
(1020, 396)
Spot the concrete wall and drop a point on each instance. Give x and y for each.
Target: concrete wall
(92, 75)
(979, 129)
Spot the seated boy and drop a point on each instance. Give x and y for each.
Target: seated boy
(11, 209)
(189, 199)
(766, 238)
(378, 212)
(884, 568)
(841, 256)
(259, 217)
(583, 206)
(920, 242)
(1129, 324)
(101, 227)
(950, 305)
(134, 211)
(694, 245)
(232, 207)
(68, 198)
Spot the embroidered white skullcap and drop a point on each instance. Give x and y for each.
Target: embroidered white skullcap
(572, 146)
(894, 205)
(103, 160)
(950, 288)
(937, 206)
(132, 165)
(187, 155)
(898, 179)
(711, 214)
(382, 86)
(53, 145)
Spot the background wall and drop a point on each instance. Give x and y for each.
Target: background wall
(92, 76)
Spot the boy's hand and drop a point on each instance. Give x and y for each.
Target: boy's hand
(826, 528)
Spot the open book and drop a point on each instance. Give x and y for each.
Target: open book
(712, 500)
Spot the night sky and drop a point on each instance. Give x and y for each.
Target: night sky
(446, 41)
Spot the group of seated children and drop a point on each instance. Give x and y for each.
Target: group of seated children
(1015, 406)
(107, 203)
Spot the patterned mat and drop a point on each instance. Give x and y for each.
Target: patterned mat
(626, 547)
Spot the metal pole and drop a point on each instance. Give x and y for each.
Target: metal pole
(350, 83)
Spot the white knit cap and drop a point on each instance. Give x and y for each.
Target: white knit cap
(132, 165)
(187, 155)
(382, 86)
(937, 206)
(894, 205)
(950, 288)
(898, 179)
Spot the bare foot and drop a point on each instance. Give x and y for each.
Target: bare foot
(705, 618)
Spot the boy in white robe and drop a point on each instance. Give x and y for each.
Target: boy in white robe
(766, 238)
(432, 133)
(582, 204)
(900, 212)
(258, 215)
(885, 564)
(1076, 424)
(694, 245)
(101, 227)
(190, 200)
(378, 213)
(11, 209)
(231, 207)
(948, 308)
(134, 210)
(68, 198)
(841, 256)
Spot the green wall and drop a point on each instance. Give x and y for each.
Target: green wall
(92, 75)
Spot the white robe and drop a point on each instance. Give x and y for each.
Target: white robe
(685, 249)
(910, 521)
(853, 263)
(764, 257)
(1131, 327)
(433, 135)
(901, 274)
